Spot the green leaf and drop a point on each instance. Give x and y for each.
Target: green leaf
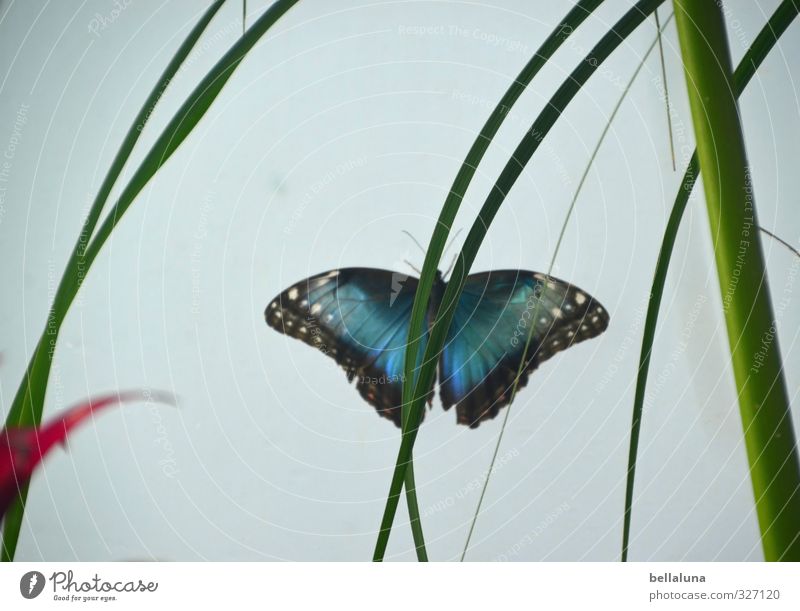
(26, 409)
(28, 403)
(434, 253)
(535, 314)
(413, 404)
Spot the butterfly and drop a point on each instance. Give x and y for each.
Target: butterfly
(360, 317)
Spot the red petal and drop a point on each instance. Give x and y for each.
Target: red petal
(22, 448)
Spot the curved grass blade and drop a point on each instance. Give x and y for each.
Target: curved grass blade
(535, 314)
(513, 169)
(28, 403)
(762, 45)
(184, 121)
(667, 106)
(433, 255)
(789, 247)
(26, 408)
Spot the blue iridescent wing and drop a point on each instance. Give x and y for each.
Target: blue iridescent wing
(487, 338)
(360, 318)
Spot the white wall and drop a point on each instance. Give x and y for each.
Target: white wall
(271, 455)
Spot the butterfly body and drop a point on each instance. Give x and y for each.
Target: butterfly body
(360, 317)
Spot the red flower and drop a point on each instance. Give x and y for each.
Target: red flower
(23, 448)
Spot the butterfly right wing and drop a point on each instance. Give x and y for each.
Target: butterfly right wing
(486, 341)
(359, 317)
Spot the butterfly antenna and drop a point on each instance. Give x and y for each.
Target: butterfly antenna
(452, 265)
(411, 265)
(444, 252)
(458, 233)
(414, 240)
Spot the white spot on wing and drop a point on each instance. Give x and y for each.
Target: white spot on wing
(580, 298)
(292, 294)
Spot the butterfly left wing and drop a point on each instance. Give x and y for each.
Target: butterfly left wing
(360, 318)
(486, 340)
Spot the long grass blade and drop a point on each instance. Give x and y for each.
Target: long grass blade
(437, 245)
(28, 403)
(659, 31)
(762, 45)
(513, 169)
(535, 315)
(26, 409)
(791, 248)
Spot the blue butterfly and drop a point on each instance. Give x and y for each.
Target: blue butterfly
(360, 317)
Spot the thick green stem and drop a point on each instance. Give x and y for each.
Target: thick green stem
(763, 400)
(758, 51)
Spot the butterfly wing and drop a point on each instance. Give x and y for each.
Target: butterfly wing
(360, 318)
(486, 340)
